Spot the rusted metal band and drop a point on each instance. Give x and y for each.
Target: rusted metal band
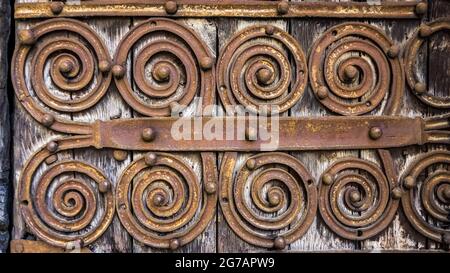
(199, 8)
(250, 134)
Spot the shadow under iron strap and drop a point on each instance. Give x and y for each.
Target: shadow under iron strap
(227, 8)
(283, 134)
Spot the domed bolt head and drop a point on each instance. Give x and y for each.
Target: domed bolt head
(56, 7)
(251, 164)
(421, 8)
(150, 159)
(264, 75)
(274, 200)
(120, 155)
(174, 244)
(171, 7)
(322, 92)
(210, 188)
(158, 200)
(420, 88)
(393, 51)
(52, 146)
(48, 120)
(327, 179)
(270, 30)
(104, 186)
(161, 73)
(66, 67)
(350, 73)
(355, 196)
(206, 63)
(375, 133)
(409, 182)
(118, 71)
(279, 243)
(104, 66)
(283, 7)
(397, 193)
(26, 37)
(446, 192)
(148, 134)
(251, 134)
(425, 31)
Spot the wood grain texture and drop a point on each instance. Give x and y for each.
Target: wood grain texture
(5, 133)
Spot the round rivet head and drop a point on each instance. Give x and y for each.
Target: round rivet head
(350, 72)
(327, 179)
(421, 8)
(420, 88)
(148, 134)
(66, 67)
(270, 30)
(355, 196)
(447, 193)
(118, 71)
(264, 75)
(26, 37)
(174, 244)
(161, 73)
(397, 193)
(48, 120)
(206, 63)
(104, 66)
(150, 159)
(375, 133)
(283, 7)
(409, 182)
(120, 155)
(171, 7)
(104, 186)
(279, 243)
(425, 31)
(322, 92)
(52, 146)
(56, 7)
(158, 200)
(274, 199)
(210, 187)
(393, 51)
(251, 164)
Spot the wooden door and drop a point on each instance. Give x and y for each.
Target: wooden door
(355, 91)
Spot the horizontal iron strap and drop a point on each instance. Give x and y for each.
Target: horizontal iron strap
(251, 134)
(200, 8)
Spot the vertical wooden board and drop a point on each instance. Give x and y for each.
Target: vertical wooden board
(206, 241)
(228, 240)
(5, 133)
(111, 106)
(319, 237)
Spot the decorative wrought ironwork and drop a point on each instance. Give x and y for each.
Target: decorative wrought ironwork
(353, 66)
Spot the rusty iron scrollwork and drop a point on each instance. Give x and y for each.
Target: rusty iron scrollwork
(282, 193)
(426, 198)
(357, 199)
(253, 71)
(353, 67)
(418, 86)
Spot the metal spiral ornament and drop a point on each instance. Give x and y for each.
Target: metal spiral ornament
(417, 85)
(282, 193)
(357, 201)
(73, 57)
(166, 70)
(161, 208)
(354, 67)
(426, 201)
(254, 70)
(70, 204)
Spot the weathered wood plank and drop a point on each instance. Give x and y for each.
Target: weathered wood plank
(5, 133)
